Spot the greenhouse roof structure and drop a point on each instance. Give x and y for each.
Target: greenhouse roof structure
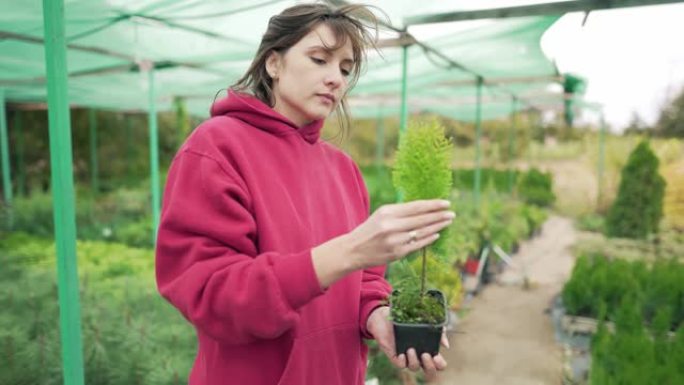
(200, 48)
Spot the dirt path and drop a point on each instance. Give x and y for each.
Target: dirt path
(506, 336)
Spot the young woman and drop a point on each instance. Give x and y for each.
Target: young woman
(266, 244)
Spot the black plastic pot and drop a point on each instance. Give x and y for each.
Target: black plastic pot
(424, 338)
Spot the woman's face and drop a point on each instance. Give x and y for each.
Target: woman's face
(309, 80)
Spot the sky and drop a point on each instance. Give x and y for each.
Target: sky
(632, 58)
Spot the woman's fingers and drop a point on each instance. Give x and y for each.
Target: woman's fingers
(400, 361)
(407, 248)
(429, 367)
(417, 234)
(413, 362)
(413, 208)
(422, 220)
(440, 362)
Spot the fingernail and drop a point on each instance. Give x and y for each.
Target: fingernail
(450, 215)
(445, 203)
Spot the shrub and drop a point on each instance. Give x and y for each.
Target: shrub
(130, 335)
(597, 281)
(638, 207)
(536, 188)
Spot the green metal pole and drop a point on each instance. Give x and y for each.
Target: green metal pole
(94, 169)
(63, 191)
(4, 148)
(403, 119)
(601, 160)
(154, 155)
(403, 122)
(380, 140)
(511, 143)
(478, 135)
(21, 154)
(129, 148)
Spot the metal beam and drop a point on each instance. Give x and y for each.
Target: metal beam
(63, 196)
(154, 152)
(94, 169)
(393, 100)
(18, 127)
(403, 118)
(401, 41)
(77, 47)
(478, 136)
(5, 159)
(601, 162)
(505, 80)
(557, 8)
(118, 68)
(511, 142)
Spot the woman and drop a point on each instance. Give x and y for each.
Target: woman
(265, 244)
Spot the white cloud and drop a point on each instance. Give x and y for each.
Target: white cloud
(633, 58)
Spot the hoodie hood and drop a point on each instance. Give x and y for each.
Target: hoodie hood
(254, 112)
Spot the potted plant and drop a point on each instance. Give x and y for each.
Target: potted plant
(422, 170)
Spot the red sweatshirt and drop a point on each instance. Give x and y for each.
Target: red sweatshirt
(247, 197)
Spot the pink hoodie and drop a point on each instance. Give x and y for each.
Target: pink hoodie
(247, 197)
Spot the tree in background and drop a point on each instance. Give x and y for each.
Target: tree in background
(637, 126)
(638, 208)
(671, 120)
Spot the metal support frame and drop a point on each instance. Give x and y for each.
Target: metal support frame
(554, 8)
(5, 160)
(154, 154)
(511, 143)
(403, 119)
(601, 161)
(63, 192)
(18, 127)
(94, 169)
(380, 140)
(478, 135)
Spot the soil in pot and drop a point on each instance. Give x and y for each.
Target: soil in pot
(418, 322)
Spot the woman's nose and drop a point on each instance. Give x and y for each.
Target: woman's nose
(334, 78)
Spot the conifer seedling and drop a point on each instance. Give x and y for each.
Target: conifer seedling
(422, 170)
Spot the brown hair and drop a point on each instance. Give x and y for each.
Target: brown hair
(284, 30)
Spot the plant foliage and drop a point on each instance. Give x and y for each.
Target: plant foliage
(638, 208)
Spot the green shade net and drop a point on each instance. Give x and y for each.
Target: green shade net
(200, 48)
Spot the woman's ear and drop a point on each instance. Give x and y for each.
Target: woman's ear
(273, 64)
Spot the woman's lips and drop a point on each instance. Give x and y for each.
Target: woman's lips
(327, 98)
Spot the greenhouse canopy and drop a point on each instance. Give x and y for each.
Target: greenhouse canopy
(200, 48)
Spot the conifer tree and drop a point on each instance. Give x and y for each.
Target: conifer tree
(638, 208)
(422, 170)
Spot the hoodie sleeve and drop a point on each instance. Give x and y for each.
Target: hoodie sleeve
(206, 258)
(374, 288)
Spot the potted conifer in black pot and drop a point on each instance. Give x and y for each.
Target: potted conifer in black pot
(422, 170)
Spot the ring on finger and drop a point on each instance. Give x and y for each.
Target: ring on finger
(413, 235)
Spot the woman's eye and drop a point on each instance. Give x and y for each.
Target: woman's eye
(317, 60)
(345, 72)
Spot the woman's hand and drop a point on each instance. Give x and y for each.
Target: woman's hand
(395, 230)
(391, 233)
(380, 326)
